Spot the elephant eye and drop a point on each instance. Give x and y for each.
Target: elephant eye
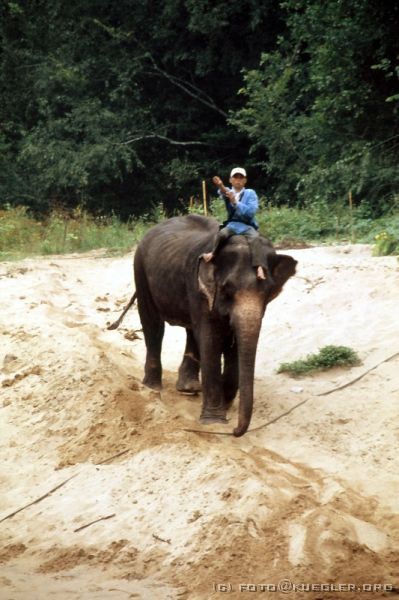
(228, 289)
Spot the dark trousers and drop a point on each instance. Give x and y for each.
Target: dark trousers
(257, 251)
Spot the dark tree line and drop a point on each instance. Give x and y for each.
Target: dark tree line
(120, 105)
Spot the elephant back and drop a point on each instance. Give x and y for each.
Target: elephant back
(182, 235)
(165, 263)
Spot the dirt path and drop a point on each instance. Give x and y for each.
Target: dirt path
(119, 501)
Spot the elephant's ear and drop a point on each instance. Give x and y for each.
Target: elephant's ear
(281, 268)
(206, 281)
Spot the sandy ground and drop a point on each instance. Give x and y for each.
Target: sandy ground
(104, 495)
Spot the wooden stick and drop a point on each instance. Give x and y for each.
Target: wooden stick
(156, 537)
(284, 414)
(287, 412)
(57, 487)
(350, 199)
(114, 456)
(344, 385)
(204, 197)
(92, 522)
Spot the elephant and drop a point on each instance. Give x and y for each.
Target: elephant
(220, 304)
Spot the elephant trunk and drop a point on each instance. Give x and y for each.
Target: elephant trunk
(246, 320)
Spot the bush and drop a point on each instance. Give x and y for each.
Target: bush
(327, 358)
(386, 244)
(78, 231)
(22, 235)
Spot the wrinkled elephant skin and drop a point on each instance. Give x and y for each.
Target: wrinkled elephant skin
(220, 304)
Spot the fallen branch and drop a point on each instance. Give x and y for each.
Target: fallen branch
(344, 385)
(287, 412)
(284, 414)
(57, 487)
(160, 539)
(103, 462)
(92, 522)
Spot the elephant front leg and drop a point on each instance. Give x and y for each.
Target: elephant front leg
(188, 380)
(213, 407)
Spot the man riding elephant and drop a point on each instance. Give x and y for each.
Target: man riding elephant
(241, 205)
(220, 303)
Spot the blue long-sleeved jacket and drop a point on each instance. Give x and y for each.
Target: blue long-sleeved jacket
(241, 217)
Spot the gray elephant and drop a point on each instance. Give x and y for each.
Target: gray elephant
(220, 304)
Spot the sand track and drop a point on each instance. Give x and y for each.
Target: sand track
(146, 509)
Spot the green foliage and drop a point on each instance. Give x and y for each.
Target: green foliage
(21, 235)
(386, 244)
(217, 209)
(112, 105)
(315, 222)
(318, 222)
(309, 105)
(76, 231)
(65, 156)
(328, 357)
(312, 223)
(17, 230)
(109, 105)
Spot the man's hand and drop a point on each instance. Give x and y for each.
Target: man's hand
(231, 196)
(228, 193)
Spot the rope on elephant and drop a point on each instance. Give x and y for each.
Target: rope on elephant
(290, 410)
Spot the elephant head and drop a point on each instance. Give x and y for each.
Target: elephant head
(235, 296)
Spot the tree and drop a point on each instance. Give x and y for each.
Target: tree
(321, 109)
(125, 104)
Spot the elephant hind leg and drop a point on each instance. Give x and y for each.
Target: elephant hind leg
(188, 379)
(153, 330)
(153, 366)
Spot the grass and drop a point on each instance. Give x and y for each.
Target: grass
(319, 223)
(328, 357)
(21, 235)
(386, 243)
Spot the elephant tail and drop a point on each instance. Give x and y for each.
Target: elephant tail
(116, 324)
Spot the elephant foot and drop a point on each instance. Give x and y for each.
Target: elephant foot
(208, 419)
(154, 385)
(228, 403)
(189, 387)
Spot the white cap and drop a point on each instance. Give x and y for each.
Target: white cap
(238, 171)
